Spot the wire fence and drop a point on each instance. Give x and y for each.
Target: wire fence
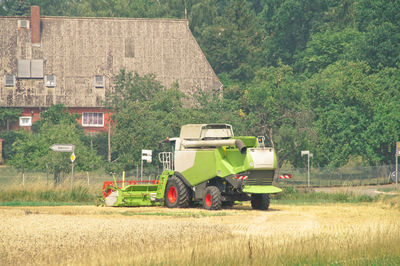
(13, 177)
(344, 176)
(319, 177)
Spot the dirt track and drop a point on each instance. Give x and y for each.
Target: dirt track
(358, 190)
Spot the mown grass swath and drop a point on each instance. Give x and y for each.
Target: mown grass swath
(42, 195)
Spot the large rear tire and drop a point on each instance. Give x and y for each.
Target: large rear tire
(176, 193)
(260, 201)
(212, 198)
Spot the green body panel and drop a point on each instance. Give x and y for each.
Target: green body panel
(220, 162)
(261, 189)
(249, 141)
(203, 168)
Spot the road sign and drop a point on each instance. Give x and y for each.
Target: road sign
(147, 152)
(73, 157)
(146, 155)
(63, 147)
(304, 153)
(398, 148)
(146, 158)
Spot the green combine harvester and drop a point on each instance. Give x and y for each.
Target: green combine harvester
(209, 165)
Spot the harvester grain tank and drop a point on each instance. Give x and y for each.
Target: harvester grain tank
(207, 164)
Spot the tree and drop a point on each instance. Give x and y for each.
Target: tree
(8, 115)
(288, 25)
(233, 43)
(15, 7)
(325, 48)
(273, 108)
(144, 113)
(32, 149)
(341, 99)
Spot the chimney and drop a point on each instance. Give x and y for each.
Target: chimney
(35, 24)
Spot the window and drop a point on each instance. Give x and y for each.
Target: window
(37, 68)
(24, 68)
(50, 80)
(92, 119)
(99, 81)
(23, 24)
(25, 121)
(9, 80)
(30, 68)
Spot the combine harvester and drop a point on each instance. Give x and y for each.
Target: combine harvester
(209, 165)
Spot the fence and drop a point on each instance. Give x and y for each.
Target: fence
(319, 177)
(11, 177)
(344, 176)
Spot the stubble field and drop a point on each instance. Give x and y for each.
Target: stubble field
(338, 234)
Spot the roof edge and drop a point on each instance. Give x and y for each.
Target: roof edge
(102, 18)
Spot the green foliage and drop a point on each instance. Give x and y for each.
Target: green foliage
(54, 115)
(308, 74)
(15, 7)
(325, 48)
(9, 137)
(46, 196)
(9, 115)
(144, 113)
(274, 109)
(291, 195)
(31, 150)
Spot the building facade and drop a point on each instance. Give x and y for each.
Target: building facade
(73, 61)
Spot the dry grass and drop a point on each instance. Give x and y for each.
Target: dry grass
(341, 234)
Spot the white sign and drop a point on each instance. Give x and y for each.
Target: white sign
(147, 152)
(73, 157)
(304, 152)
(63, 147)
(146, 155)
(146, 158)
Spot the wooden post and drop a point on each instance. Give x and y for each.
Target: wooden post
(1, 151)
(47, 175)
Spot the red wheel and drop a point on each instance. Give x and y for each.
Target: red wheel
(176, 193)
(172, 194)
(212, 198)
(208, 200)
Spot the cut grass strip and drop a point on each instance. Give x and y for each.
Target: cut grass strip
(176, 214)
(42, 203)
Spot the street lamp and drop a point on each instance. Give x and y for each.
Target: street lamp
(308, 164)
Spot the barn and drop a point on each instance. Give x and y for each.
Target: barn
(72, 60)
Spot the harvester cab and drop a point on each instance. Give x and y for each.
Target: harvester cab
(207, 164)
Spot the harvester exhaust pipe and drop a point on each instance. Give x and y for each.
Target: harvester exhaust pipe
(241, 146)
(215, 143)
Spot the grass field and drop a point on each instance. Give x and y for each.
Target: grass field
(335, 234)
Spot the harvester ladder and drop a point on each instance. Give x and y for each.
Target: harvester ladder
(167, 160)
